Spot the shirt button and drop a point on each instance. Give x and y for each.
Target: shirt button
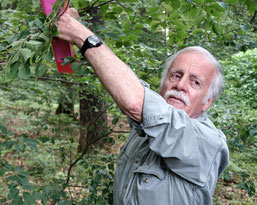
(137, 160)
(125, 186)
(146, 180)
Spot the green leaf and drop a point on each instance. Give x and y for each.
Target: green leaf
(179, 24)
(216, 9)
(9, 144)
(231, 1)
(174, 15)
(76, 66)
(29, 199)
(171, 40)
(42, 197)
(43, 37)
(33, 44)
(192, 12)
(216, 28)
(44, 139)
(198, 1)
(245, 27)
(26, 53)
(13, 192)
(30, 142)
(199, 20)
(3, 201)
(153, 9)
(40, 71)
(76, 4)
(39, 23)
(13, 73)
(24, 72)
(49, 55)
(251, 5)
(119, 44)
(104, 8)
(17, 201)
(132, 1)
(15, 57)
(117, 9)
(2, 172)
(181, 35)
(115, 120)
(112, 35)
(110, 15)
(175, 4)
(2, 48)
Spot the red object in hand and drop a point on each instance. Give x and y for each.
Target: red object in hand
(61, 48)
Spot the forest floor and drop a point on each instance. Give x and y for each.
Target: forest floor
(226, 192)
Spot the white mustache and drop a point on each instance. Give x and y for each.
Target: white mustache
(179, 95)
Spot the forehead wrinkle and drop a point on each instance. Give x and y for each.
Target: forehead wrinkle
(191, 63)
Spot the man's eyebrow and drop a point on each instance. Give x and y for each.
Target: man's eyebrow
(197, 77)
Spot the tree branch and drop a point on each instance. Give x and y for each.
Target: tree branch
(81, 156)
(117, 131)
(253, 17)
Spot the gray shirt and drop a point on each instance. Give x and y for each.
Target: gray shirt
(169, 159)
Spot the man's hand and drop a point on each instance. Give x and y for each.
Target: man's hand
(72, 30)
(73, 13)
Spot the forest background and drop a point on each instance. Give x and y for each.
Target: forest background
(61, 133)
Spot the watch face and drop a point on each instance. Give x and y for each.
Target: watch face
(94, 40)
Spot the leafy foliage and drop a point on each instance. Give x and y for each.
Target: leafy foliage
(241, 76)
(235, 114)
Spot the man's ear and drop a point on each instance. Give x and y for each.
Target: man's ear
(208, 104)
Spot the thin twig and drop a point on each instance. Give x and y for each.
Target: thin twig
(78, 186)
(117, 131)
(93, 121)
(80, 157)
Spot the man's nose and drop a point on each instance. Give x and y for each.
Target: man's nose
(182, 84)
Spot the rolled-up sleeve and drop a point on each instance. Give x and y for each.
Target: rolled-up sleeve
(188, 146)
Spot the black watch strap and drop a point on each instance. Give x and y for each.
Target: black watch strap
(90, 42)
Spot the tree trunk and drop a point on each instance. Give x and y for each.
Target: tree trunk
(66, 103)
(93, 119)
(14, 5)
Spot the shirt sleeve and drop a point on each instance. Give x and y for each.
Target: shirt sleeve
(188, 146)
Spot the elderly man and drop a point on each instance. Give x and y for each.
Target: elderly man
(174, 154)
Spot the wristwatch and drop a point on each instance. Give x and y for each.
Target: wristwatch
(90, 42)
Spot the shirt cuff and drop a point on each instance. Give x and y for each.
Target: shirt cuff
(155, 109)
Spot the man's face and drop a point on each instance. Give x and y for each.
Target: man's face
(190, 74)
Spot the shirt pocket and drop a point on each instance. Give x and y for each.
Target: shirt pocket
(152, 186)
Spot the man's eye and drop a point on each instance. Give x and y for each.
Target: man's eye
(196, 82)
(175, 76)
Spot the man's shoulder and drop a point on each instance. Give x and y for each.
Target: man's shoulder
(206, 126)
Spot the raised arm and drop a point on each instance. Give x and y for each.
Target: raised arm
(118, 79)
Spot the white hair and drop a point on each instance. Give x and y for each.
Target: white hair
(217, 82)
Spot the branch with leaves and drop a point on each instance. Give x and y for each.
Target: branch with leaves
(32, 45)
